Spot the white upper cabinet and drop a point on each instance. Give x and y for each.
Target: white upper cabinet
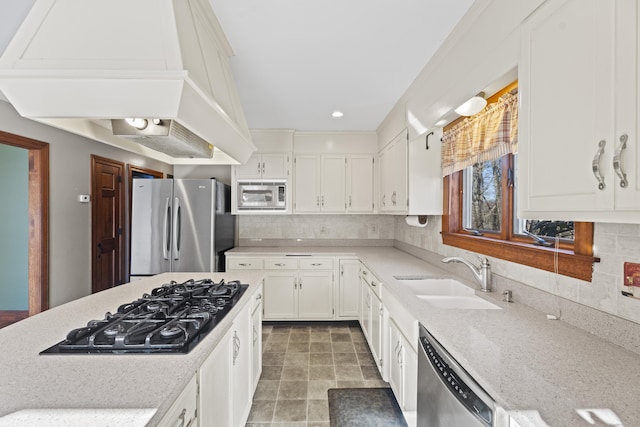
(265, 166)
(333, 186)
(425, 174)
(393, 176)
(320, 183)
(579, 116)
(360, 183)
(307, 183)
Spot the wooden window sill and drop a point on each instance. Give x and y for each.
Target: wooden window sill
(543, 258)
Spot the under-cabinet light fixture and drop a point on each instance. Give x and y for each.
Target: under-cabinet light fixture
(441, 122)
(473, 106)
(337, 114)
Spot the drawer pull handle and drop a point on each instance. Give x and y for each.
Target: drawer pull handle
(259, 297)
(617, 166)
(182, 416)
(245, 264)
(373, 283)
(279, 264)
(364, 272)
(595, 164)
(315, 264)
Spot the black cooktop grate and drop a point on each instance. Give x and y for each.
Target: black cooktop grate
(172, 318)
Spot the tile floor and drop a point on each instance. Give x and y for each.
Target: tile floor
(300, 362)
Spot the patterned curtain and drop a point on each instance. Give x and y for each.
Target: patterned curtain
(488, 135)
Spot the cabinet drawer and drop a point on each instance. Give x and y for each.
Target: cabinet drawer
(257, 299)
(183, 410)
(316, 264)
(280, 264)
(371, 280)
(244, 263)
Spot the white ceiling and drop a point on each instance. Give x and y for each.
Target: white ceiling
(298, 60)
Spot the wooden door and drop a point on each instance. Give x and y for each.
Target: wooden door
(106, 223)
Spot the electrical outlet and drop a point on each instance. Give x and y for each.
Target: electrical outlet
(373, 232)
(631, 274)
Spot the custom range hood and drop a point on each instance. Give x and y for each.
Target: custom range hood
(85, 65)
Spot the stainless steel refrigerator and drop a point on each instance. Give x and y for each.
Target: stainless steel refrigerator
(180, 225)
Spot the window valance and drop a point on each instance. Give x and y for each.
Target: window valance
(486, 136)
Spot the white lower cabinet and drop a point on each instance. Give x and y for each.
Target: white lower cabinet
(403, 368)
(281, 295)
(372, 315)
(349, 289)
(298, 295)
(305, 293)
(226, 380)
(183, 412)
(256, 332)
(215, 386)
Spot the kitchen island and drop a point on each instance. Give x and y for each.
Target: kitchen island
(539, 371)
(101, 389)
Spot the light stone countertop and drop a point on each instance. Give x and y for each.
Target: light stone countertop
(530, 365)
(84, 389)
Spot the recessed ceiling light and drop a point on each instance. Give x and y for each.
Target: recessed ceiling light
(337, 114)
(441, 122)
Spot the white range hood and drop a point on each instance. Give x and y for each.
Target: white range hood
(77, 64)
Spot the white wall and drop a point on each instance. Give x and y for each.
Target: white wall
(69, 220)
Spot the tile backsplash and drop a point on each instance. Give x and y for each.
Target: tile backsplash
(613, 244)
(330, 227)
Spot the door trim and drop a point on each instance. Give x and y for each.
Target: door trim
(38, 218)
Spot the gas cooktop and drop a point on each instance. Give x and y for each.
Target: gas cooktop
(173, 318)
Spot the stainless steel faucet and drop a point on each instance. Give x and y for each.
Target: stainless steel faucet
(481, 273)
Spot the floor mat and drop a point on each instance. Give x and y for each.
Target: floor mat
(364, 407)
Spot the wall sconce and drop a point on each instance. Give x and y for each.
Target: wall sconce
(473, 106)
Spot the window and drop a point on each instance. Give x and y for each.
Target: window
(481, 216)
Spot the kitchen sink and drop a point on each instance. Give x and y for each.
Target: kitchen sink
(445, 293)
(458, 302)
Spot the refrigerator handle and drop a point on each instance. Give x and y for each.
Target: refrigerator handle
(165, 230)
(176, 228)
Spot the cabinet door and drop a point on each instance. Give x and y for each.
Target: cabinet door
(365, 309)
(410, 377)
(567, 110)
(307, 183)
(425, 174)
(399, 173)
(395, 362)
(376, 329)
(281, 295)
(241, 366)
(627, 198)
(332, 197)
(250, 170)
(215, 385)
(315, 295)
(386, 179)
(256, 342)
(349, 289)
(360, 183)
(275, 165)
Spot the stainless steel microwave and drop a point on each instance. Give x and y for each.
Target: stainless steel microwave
(262, 195)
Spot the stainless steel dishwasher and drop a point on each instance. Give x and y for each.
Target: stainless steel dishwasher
(447, 395)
